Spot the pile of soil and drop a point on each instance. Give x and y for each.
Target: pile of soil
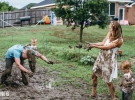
(40, 87)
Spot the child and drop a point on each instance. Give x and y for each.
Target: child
(32, 61)
(33, 44)
(127, 81)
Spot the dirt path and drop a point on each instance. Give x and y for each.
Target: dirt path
(40, 87)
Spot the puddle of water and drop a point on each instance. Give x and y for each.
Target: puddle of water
(49, 85)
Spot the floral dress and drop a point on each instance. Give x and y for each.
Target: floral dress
(105, 65)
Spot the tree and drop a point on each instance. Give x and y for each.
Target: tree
(83, 12)
(4, 6)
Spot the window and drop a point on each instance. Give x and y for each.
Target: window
(112, 10)
(121, 4)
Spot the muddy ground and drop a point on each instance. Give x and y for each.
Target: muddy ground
(40, 87)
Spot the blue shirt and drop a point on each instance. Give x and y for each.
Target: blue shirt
(15, 51)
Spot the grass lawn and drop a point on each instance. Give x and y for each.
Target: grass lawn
(54, 41)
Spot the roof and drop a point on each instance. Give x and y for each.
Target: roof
(130, 4)
(44, 4)
(120, 0)
(28, 4)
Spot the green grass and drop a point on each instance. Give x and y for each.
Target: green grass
(54, 41)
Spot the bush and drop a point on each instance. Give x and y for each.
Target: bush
(71, 55)
(87, 60)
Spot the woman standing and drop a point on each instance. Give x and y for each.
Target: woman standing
(105, 66)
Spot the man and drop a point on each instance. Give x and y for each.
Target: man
(18, 54)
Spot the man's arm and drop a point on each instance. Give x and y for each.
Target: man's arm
(17, 61)
(39, 55)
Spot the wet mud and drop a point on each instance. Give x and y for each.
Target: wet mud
(40, 87)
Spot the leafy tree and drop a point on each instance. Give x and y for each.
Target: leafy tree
(83, 12)
(4, 6)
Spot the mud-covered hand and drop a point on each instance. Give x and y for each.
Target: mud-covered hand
(87, 46)
(50, 62)
(30, 74)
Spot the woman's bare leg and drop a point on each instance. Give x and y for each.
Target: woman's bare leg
(94, 84)
(112, 90)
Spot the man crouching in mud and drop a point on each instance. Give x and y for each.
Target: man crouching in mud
(18, 54)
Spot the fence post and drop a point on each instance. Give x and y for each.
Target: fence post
(3, 20)
(26, 12)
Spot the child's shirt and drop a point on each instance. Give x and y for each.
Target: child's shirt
(34, 48)
(127, 85)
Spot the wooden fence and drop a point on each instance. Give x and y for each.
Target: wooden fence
(9, 18)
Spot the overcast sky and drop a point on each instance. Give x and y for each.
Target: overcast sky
(20, 3)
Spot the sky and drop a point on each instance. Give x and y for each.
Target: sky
(20, 3)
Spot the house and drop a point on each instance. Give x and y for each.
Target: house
(124, 10)
(28, 6)
(47, 4)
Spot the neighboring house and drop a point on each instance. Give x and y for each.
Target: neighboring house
(47, 4)
(122, 9)
(28, 5)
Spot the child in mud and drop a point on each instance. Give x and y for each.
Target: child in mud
(33, 44)
(127, 81)
(32, 61)
(19, 53)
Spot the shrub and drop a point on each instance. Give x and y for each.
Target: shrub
(87, 60)
(71, 55)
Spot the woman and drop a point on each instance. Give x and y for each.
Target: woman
(105, 65)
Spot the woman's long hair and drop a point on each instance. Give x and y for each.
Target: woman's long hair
(117, 31)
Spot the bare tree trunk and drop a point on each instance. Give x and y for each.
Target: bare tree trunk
(81, 32)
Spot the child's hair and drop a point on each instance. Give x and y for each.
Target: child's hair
(33, 39)
(125, 65)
